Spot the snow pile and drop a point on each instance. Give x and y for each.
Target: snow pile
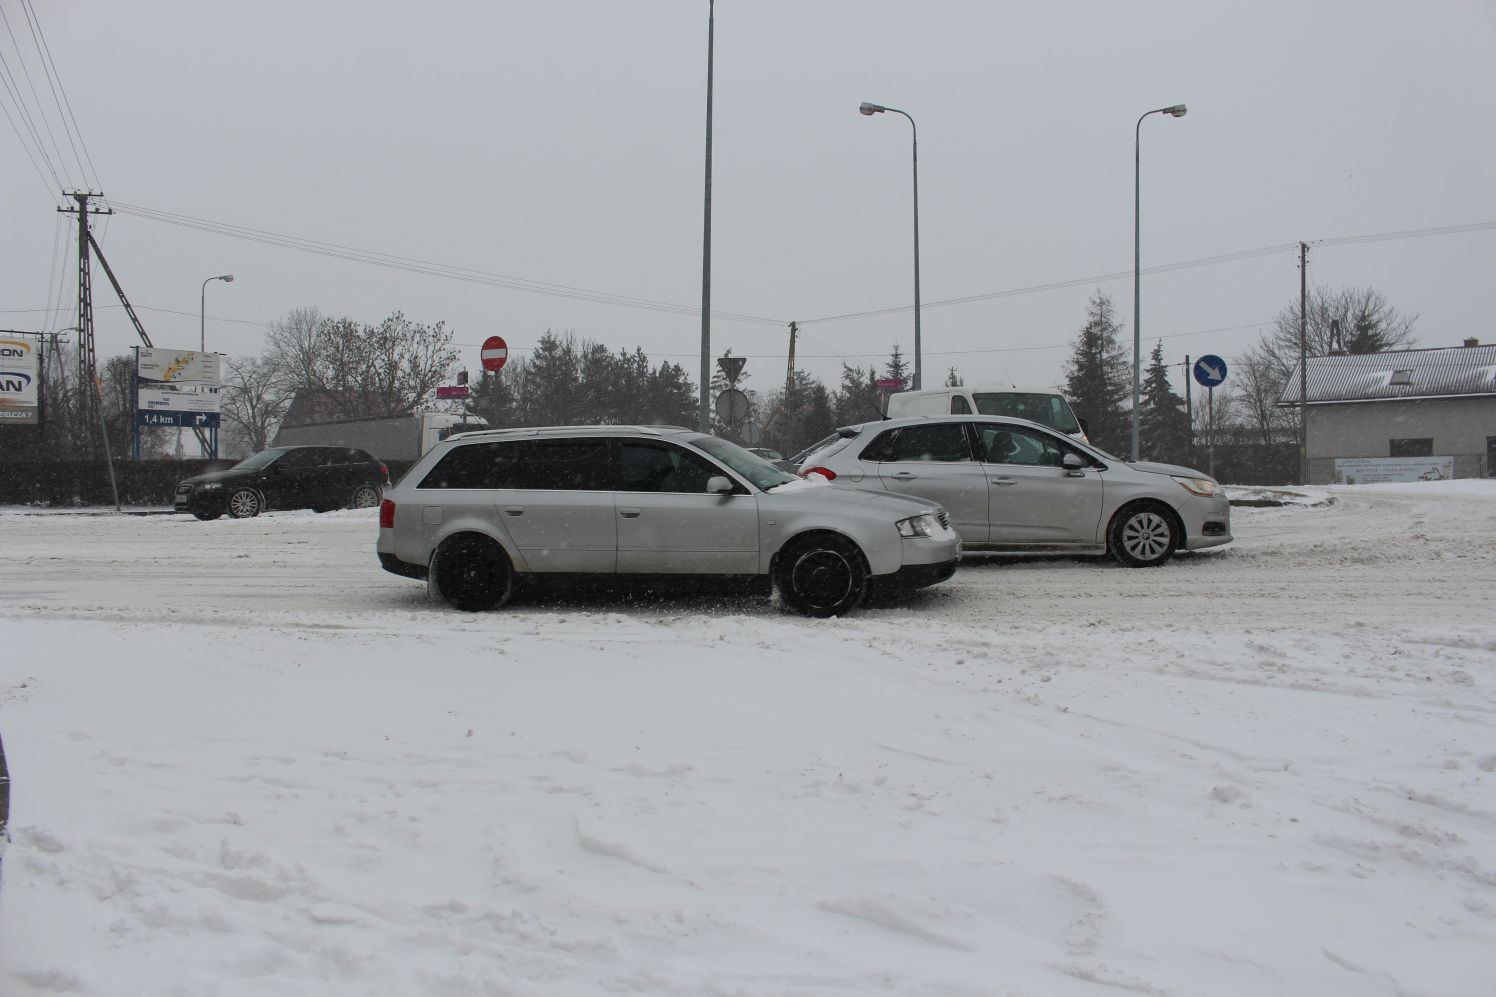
(248, 762)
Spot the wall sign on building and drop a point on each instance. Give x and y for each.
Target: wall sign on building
(1374, 470)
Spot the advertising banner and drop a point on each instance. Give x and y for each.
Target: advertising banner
(176, 381)
(20, 382)
(1373, 470)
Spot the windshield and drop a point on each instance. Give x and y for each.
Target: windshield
(751, 466)
(260, 460)
(1046, 409)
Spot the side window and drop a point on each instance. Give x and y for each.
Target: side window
(1411, 448)
(479, 465)
(959, 406)
(657, 467)
(299, 460)
(1020, 445)
(563, 465)
(941, 441)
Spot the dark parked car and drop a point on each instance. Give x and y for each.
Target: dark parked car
(319, 478)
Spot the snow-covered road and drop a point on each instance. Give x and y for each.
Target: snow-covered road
(248, 762)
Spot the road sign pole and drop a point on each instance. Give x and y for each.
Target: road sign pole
(1210, 401)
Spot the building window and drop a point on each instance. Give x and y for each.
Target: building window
(1411, 448)
(1401, 377)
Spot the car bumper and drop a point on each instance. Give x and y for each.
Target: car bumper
(197, 501)
(1207, 522)
(915, 576)
(389, 562)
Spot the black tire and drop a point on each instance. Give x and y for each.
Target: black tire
(1143, 535)
(245, 503)
(206, 516)
(365, 496)
(472, 573)
(821, 575)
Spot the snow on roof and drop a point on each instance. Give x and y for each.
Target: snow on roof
(1455, 370)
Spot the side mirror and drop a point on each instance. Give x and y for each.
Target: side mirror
(1074, 466)
(719, 484)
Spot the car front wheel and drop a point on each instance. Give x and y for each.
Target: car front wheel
(822, 576)
(245, 503)
(472, 573)
(1142, 536)
(365, 497)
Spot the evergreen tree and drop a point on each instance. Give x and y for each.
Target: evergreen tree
(552, 383)
(1163, 423)
(898, 367)
(857, 400)
(671, 397)
(1098, 378)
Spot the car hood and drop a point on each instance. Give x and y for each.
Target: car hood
(1152, 468)
(230, 474)
(821, 492)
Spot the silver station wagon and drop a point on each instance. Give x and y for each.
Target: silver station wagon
(483, 510)
(1014, 486)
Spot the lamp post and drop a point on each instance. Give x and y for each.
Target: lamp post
(1176, 111)
(202, 315)
(870, 109)
(706, 232)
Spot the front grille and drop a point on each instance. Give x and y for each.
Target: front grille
(183, 490)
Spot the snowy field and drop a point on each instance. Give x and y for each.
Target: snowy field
(249, 762)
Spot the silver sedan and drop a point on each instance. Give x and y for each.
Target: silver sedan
(1014, 486)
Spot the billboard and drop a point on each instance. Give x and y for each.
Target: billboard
(19, 383)
(176, 387)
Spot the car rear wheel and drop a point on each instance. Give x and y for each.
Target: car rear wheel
(1142, 536)
(472, 573)
(365, 497)
(822, 575)
(245, 503)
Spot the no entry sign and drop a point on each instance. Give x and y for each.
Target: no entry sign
(495, 353)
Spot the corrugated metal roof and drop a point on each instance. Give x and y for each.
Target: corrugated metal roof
(1454, 370)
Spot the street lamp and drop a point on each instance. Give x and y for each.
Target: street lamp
(1177, 111)
(870, 109)
(202, 314)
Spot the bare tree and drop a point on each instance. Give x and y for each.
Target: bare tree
(1368, 324)
(358, 371)
(254, 399)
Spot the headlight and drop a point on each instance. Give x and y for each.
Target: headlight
(1198, 486)
(208, 486)
(918, 526)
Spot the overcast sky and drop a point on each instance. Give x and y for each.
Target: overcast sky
(563, 141)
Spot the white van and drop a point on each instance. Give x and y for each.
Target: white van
(1044, 407)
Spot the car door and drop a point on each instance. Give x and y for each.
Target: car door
(557, 506)
(934, 461)
(1033, 499)
(289, 481)
(668, 523)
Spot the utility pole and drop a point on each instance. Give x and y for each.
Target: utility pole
(789, 392)
(706, 235)
(1304, 363)
(87, 362)
(1189, 404)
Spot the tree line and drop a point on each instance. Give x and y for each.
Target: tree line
(340, 368)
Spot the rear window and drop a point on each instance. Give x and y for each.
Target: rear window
(1046, 409)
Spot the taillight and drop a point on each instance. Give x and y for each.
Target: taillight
(384, 472)
(824, 472)
(387, 515)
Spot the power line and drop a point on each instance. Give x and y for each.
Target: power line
(14, 91)
(426, 267)
(50, 66)
(26, 71)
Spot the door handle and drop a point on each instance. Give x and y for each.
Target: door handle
(629, 513)
(1003, 481)
(903, 476)
(514, 510)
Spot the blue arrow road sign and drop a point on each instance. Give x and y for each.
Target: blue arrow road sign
(1210, 370)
